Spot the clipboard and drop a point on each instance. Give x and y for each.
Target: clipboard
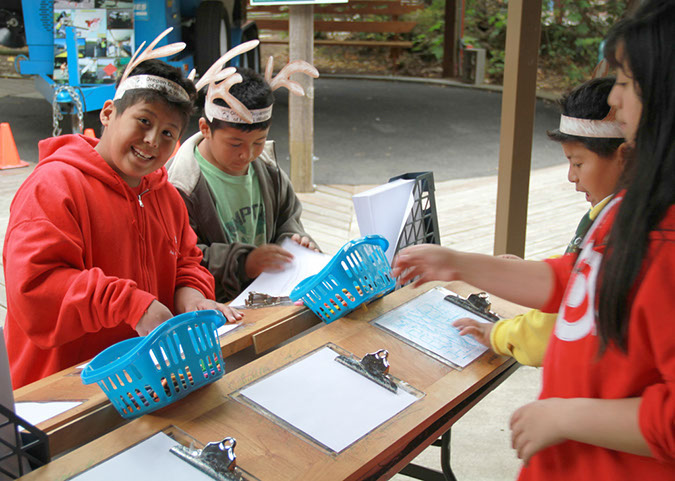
(176, 456)
(313, 395)
(425, 323)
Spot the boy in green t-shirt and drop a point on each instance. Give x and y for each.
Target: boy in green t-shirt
(241, 204)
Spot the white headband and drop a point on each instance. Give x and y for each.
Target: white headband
(226, 114)
(152, 82)
(605, 129)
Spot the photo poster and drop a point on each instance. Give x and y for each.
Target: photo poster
(104, 31)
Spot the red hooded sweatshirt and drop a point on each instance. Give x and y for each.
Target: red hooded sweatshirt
(574, 368)
(85, 255)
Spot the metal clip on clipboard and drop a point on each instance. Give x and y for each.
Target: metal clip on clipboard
(478, 304)
(217, 460)
(374, 366)
(256, 300)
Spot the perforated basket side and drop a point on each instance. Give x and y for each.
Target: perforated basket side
(183, 358)
(359, 274)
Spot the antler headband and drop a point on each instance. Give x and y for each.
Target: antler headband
(219, 84)
(607, 128)
(152, 82)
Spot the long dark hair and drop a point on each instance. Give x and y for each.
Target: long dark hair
(647, 40)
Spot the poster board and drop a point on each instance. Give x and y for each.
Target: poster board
(104, 38)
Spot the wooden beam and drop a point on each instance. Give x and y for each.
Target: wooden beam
(450, 39)
(301, 109)
(515, 143)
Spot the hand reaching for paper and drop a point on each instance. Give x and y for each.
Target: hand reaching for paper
(267, 257)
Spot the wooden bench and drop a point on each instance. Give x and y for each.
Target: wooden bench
(357, 16)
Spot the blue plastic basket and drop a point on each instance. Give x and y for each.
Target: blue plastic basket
(357, 274)
(142, 374)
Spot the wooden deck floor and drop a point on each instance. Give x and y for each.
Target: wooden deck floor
(466, 213)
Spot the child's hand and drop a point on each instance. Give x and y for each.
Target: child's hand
(479, 330)
(267, 257)
(428, 261)
(156, 314)
(305, 242)
(188, 299)
(535, 427)
(230, 313)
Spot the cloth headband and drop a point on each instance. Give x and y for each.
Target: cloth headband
(152, 82)
(226, 114)
(605, 128)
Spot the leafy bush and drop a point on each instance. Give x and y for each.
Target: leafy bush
(571, 34)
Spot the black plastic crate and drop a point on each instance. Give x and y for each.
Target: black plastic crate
(421, 227)
(26, 443)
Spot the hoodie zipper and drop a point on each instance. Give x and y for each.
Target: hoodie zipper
(140, 201)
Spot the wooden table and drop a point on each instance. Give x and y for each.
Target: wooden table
(262, 329)
(270, 452)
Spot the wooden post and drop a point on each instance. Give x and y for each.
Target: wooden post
(301, 109)
(515, 143)
(450, 39)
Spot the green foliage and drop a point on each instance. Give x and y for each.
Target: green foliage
(572, 32)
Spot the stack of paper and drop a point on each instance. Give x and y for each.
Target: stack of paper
(383, 210)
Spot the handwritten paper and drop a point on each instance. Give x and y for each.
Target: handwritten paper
(306, 262)
(150, 459)
(426, 323)
(327, 401)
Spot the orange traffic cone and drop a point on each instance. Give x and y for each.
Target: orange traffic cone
(89, 133)
(9, 156)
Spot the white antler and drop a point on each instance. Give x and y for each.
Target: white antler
(222, 91)
(283, 78)
(150, 52)
(209, 75)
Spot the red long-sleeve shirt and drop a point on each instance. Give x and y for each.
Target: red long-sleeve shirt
(572, 368)
(84, 257)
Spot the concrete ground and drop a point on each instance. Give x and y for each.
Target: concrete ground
(464, 148)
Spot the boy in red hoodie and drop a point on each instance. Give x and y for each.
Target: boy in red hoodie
(98, 247)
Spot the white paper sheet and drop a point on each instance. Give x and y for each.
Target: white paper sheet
(306, 262)
(326, 400)
(426, 322)
(35, 412)
(383, 210)
(222, 330)
(150, 459)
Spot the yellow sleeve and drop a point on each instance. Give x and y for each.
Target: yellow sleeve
(524, 337)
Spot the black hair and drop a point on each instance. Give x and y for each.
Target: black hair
(646, 40)
(254, 92)
(159, 69)
(588, 101)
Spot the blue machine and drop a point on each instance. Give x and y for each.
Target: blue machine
(214, 25)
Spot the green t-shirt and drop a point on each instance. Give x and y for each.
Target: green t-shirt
(238, 202)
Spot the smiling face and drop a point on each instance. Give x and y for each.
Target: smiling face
(592, 174)
(625, 98)
(140, 140)
(230, 149)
